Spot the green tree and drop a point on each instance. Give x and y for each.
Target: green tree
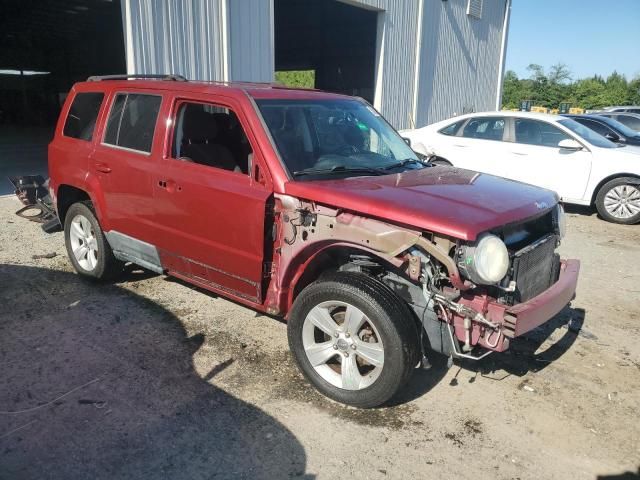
(634, 91)
(297, 78)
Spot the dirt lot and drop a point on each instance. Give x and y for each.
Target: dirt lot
(149, 378)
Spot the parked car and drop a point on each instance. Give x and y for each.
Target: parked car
(308, 206)
(608, 128)
(623, 108)
(550, 151)
(631, 120)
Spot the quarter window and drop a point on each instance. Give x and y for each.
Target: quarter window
(132, 121)
(451, 129)
(81, 120)
(211, 135)
(534, 132)
(489, 128)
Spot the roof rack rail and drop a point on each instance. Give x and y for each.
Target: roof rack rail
(175, 78)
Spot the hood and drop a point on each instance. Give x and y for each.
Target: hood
(447, 200)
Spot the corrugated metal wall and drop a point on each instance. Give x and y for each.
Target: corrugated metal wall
(460, 59)
(251, 40)
(187, 38)
(434, 59)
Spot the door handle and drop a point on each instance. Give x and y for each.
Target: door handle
(520, 153)
(102, 167)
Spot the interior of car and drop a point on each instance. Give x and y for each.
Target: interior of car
(211, 135)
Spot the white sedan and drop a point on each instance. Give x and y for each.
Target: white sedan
(545, 150)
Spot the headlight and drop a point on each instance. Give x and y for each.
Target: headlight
(487, 261)
(560, 220)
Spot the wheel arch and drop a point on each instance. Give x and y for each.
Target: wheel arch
(67, 194)
(604, 181)
(307, 267)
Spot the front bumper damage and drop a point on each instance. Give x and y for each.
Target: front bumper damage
(484, 322)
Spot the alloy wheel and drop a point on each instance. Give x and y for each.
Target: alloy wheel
(83, 243)
(343, 345)
(623, 201)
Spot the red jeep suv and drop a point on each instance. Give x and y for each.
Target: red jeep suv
(306, 205)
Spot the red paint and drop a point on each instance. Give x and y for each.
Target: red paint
(209, 225)
(450, 201)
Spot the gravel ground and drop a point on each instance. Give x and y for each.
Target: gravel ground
(151, 378)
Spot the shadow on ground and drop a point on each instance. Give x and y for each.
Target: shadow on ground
(524, 354)
(104, 386)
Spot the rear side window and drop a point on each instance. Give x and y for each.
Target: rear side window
(81, 120)
(490, 128)
(132, 121)
(451, 129)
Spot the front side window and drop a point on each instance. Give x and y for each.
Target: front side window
(132, 121)
(589, 135)
(81, 120)
(211, 135)
(485, 128)
(595, 126)
(348, 136)
(535, 132)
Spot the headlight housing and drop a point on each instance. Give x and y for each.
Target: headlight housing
(560, 220)
(486, 262)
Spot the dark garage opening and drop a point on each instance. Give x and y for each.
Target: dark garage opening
(334, 39)
(45, 47)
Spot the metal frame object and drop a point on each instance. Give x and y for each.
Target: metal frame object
(32, 191)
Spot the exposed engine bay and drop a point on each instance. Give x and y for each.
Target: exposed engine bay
(461, 293)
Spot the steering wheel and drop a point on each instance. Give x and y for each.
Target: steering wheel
(346, 150)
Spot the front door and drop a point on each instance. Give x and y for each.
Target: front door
(536, 158)
(209, 207)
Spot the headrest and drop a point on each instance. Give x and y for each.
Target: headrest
(198, 124)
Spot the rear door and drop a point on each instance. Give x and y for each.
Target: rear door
(210, 198)
(479, 146)
(537, 159)
(123, 159)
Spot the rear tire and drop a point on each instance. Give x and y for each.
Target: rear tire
(353, 339)
(618, 201)
(87, 247)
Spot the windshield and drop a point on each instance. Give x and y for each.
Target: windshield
(589, 135)
(343, 136)
(620, 127)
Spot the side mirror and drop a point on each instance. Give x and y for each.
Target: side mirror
(570, 144)
(612, 136)
(407, 141)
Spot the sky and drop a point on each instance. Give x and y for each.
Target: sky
(589, 36)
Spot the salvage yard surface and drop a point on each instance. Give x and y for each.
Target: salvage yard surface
(149, 378)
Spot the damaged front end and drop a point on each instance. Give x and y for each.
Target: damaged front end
(32, 191)
(460, 316)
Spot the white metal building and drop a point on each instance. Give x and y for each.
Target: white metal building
(418, 61)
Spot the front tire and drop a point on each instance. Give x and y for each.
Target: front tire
(87, 247)
(618, 201)
(353, 339)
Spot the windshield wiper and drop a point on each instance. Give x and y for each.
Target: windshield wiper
(339, 169)
(402, 163)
